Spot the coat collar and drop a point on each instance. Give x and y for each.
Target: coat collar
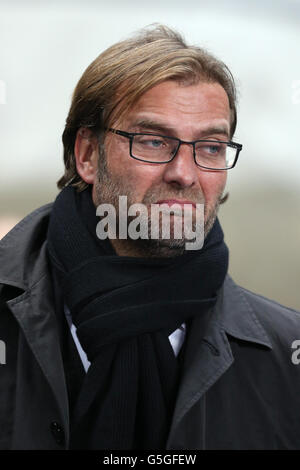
(236, 316)
(24, 264)
(20, 265)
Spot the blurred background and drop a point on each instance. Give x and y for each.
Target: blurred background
(46, 45)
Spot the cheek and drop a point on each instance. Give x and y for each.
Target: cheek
(116, 157)
(137, 175)
(143, 177)
(213, 185)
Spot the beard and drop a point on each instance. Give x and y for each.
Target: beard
(107, 189)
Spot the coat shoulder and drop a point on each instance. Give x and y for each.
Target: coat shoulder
(281, 322)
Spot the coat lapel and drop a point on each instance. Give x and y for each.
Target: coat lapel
(206, 360)
(208, 354)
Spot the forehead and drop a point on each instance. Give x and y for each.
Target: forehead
(188, 107)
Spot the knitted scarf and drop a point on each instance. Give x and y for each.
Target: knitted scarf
(124, 309)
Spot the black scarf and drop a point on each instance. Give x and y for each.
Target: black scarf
(124, 309)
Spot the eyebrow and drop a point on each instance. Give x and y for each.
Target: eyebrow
(161, 127)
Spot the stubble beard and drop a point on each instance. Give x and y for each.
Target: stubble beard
(109, 187)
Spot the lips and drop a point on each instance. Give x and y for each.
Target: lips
(170, 202)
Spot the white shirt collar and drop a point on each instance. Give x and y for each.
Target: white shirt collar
(176, 339)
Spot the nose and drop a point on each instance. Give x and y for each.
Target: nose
(182, 170)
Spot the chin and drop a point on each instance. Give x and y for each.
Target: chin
(162, 247)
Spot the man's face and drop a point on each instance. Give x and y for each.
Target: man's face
(188, 112)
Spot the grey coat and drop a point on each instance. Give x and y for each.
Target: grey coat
(240, 388)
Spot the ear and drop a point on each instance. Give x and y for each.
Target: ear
(86, 154)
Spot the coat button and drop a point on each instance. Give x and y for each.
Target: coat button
(58, 433)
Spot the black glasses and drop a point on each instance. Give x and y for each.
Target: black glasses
(154, 148)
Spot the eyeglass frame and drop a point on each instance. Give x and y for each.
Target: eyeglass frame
(130, 136)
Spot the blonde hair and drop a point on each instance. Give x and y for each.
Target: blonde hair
(118, 77)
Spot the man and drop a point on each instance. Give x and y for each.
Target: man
(131, 342)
